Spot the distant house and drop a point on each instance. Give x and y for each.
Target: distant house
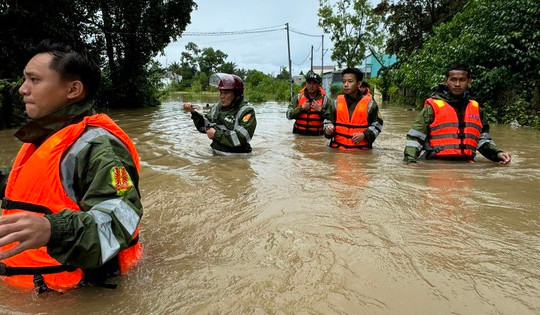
(370, 66)
(317, 69)
(299, 79)
(331, 78)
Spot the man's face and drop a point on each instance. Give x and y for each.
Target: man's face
(226, 97)
(43, 90)
(312, 87)
(350, 85)
(457, 82)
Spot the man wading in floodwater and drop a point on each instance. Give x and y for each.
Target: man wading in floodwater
(451, 125)
(72, 206)
(308, 107)
(231, 123)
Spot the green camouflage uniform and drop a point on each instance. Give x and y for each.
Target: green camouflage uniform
(75, 236)
(235, 126)
(416, 137)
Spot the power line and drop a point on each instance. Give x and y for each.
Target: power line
(299, 64)
(241, 32)
(302, 33)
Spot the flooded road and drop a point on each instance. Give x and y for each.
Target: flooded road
(302, 228)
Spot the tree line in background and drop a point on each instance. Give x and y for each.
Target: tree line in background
(498, 39)
(196, 65)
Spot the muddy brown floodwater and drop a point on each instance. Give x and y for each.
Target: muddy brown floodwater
(302, 228)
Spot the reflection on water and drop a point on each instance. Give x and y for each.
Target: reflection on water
(299, 227)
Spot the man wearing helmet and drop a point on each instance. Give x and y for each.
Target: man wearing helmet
(308, 107)
(230, 124)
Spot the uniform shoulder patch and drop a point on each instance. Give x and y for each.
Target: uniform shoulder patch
(246, 118)
(120, 180)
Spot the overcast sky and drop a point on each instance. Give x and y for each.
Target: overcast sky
(265, 51)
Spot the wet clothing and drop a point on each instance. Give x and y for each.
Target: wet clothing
(235, 126)
(421, 132)
(3, 180)
(374, 118)
(448, 136)
(308, 122)
(94, 171)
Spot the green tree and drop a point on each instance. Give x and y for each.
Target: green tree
(135, 32)
(175, 71)
(227, 67)
(284, 74)
(411, 22)
(354, 27)
(211, 59)
(189, 61)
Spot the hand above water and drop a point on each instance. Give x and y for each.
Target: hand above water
(329, 130)
(188, 107)
(504, 158)
(28, 230)
(210, 132)
(357, 137)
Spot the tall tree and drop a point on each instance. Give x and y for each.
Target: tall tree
(353, 26)
(134, 32)
(211, 59)
(411, 22)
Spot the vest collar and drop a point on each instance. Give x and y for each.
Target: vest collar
(38, 130)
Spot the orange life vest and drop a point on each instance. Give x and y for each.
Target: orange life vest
(309, 123)
(447, 137)
(346, 126)
(35, 185)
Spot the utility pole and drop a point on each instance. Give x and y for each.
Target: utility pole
(322, 56)
(311, 58)
(290, 66)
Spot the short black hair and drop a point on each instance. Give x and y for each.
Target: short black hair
(72, 64)
(364, 84)
(359, 75)
(458, 67)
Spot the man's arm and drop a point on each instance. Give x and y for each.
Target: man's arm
(416, 137)
(241, 134)
(201, 122)
(329, 114)
(294, 110)
(375, 122)
(105, 185)
(486, 146)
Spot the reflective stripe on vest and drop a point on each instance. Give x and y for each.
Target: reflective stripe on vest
(447, 137)
(310, 122)
(347, 126)
(35, 180)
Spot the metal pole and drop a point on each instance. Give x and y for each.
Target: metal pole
(290, 65)
(322, 56)
(311, 58)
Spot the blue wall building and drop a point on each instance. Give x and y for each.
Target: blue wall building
(370, 66)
